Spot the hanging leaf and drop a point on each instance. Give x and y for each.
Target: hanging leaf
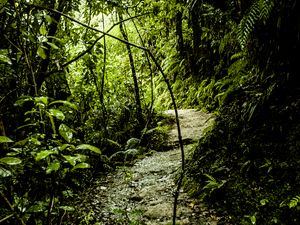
(71, 159)
(44, 154)
(89, 147)
(65, 132)
(81, 158)
(43, 30)
(40, 206)
(74, 159)
(34, 141)
(21, 142)
(48, 19)
(52, 45)
(4, 139)
(81, 166)
(10, 161)
(41, 99)
(54, 166)
(36, 209)
(57, 113)
(253, 219)
(4, 172)
(41, 53)
(67, 146)
(5, 59)
(67, 103)
(22, 100)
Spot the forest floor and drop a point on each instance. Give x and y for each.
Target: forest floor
(144, 193)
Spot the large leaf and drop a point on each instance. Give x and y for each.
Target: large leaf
(74, 159)
(22, 142)
(5, 59)
(41, 53)
(65, 132)
(43, 30)
(4, 172)
(89, 147)
(41, 99)
(67, 146)
(67, 103)
(52, 45)
(22, 100)
(53, 167)
(39, 206)
(4, 139)
(57, 113)
(71, 159)
(10, 160)
(81, 166)
(81, 158)
(44, 154)
(48, 18)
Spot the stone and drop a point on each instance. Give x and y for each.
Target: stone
(132, 143)
(159, 211)
(131, 154)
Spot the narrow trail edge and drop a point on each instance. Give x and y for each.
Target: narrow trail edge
(176, 195)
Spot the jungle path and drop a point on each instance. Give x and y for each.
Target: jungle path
(144, 193)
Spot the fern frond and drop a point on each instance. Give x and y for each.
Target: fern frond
(294, 202)
(260, 10)
(265, 9)
(247, 23)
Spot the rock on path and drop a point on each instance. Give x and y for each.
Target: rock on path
(143, 194)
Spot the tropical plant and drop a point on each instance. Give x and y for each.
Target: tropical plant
(38, 173)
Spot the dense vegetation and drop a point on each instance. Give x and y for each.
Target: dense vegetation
(83, 80)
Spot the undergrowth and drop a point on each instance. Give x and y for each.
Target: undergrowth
(245, 165)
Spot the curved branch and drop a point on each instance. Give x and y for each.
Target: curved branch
(87, 26)
(179, 135)
(95, 42)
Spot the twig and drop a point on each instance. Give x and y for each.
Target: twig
(7, 95)
(6, 218)
(50, 207)
(62, 217)
(104, 112)
(12, 208)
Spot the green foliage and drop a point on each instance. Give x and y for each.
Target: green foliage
(245, 163)
(4, 139)
(260, 10)
(235, 58)
(54, 163)
(294, 202)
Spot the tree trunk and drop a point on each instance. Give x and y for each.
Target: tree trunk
(134, 76)
(196, 38)
(178, 22)
(61, 88)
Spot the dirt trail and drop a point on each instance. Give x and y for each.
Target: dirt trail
(143, 194)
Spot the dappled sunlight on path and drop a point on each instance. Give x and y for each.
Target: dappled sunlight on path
(143, 193)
